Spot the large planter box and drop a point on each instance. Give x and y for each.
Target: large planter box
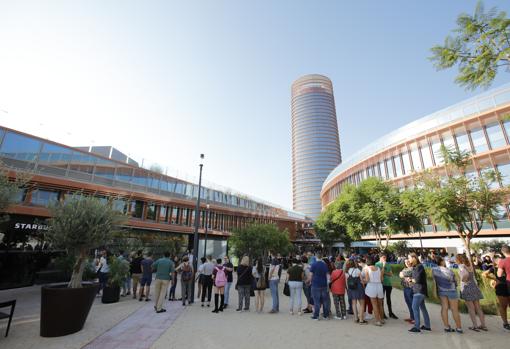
(111, 294)
(64, 310)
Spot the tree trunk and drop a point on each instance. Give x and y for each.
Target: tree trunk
(79, 267)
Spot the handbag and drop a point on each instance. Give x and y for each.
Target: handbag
(286, 289)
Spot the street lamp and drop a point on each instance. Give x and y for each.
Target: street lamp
(195, 235)
(206, 223)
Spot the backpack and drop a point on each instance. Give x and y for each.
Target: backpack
(186, 273)
(220, 279)
(352, 282)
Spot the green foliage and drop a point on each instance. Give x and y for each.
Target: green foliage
(258, 240)
(480, 47)
(458, 202)
(372, 207)
(399, 248)
(79, 225)
(489, 302)
(119, 271)
(65, 264)
(329, 231)
(489, 245)
(8, 191)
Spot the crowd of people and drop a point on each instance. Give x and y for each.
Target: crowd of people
(359, 285)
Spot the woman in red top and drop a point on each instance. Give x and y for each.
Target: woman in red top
(504, 294)
(338, 291)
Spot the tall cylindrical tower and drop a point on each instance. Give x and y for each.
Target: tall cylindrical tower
(315, 143)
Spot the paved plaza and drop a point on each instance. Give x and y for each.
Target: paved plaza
(131, 324)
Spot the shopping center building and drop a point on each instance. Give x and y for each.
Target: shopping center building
(480, 125)
(157, 206)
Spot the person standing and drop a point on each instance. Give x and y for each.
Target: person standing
(338, 291)
(274, 280)
(295, 276)
(319, 280)
(259, 273)
(126, 281)
(164, 268)
(171, 293)
(135, 268)
(405, 275)
(219, 278)
(244, 281)
(470, 292)
(186, 271)
(373, 277)
(387, 288)
(146, 265)
(355, 291)
(307, 286)
(103, 270)
(503, 293)
(229, 270)
(200, 277)
(419, 284)
(446, 286)
(207, 282)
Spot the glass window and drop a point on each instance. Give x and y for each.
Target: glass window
(389, 166)
(398, 165)
(504, 171)
(506, 125)
(55, 155)
(140, 178)
(478, 138)
(407, 163)
(136, 209)
(119, 205)
(42, 197)
(415, 156)
(106, 172)
(501, 213)
(175, 215)
(124, 174)
(16, 146)
(163, 214)
(151, 212)
(463, 141)
(495, 134)
(82, 158)
(448, 140)
(436, 151)
(425, 154)
(20, 196)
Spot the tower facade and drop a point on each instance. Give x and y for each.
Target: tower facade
(315, 141)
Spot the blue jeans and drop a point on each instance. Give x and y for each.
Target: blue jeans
(307, 289)
(227, 292)
(273, 285)
(419, 304)
(320, 296)
(408, 297)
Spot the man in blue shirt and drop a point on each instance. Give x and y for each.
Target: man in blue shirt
(318, 275)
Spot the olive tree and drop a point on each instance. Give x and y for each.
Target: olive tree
(79, 225)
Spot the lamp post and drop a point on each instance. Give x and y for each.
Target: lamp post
(206, 223)
(195, 235)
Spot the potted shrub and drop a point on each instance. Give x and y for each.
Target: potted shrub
(119, 270)
(77, 225)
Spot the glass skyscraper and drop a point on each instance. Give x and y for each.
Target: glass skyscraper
(315, 143)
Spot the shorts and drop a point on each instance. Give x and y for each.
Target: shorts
(374, 290)
(146, 281)
(448, 294)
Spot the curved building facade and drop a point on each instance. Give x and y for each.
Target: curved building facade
(480, 125)
(315, 142)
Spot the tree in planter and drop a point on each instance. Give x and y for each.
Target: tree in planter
(258, 240)
(79, 225)
(119, 271)
(480, 47)
(329, 230)
(458, 202)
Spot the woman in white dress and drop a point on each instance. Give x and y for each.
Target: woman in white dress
(374, 289)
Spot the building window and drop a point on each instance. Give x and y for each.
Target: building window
(163, 214)
(463, 141)
(151, 212)
(20, 147)
(436, 151)
(398, 165)
(42, 197)
(415, 156)
(136, 209)
(504, 170)
(478, 138)
(495, 134)
(425, 155)
(407, 163)
(119, 205)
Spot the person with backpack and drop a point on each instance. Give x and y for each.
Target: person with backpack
(219, 277)
(337, 286)
(186, 270)
(259, 273)
(355, 291)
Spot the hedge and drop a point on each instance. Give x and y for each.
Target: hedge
(489, 302)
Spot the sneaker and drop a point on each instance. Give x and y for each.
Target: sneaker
(344, 317)
(414, 330)
(134, 296)
(378, 323)
(202, 305)
(459, 330)
(225, 306)
(246, 309)
(425, 328)
(338, 318)
(239, 309)
(147, 299)
(368, 316)
(272, 311)
(307, 311)
(506, 327)
(160, 311)
(140, 299)
(314, 318)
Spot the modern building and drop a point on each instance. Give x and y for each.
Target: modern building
(315, 143)
(480, 125)
(158, 207)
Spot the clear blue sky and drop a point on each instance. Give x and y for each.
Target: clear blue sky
(168, 80)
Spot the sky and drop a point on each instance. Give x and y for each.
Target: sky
(165, 81)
